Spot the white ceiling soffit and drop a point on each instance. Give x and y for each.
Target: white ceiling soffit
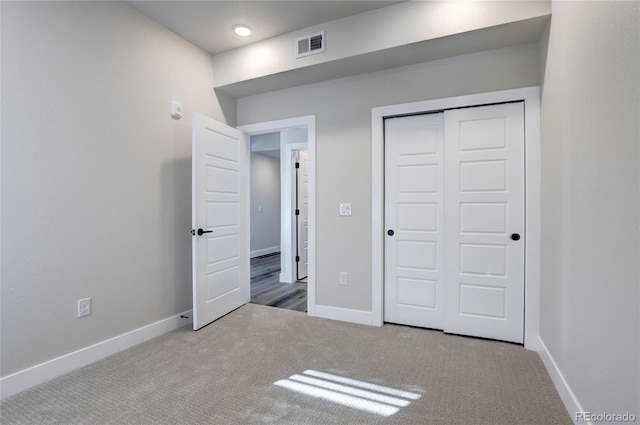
(496, 37)
(209, 24)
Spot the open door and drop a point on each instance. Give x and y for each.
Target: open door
(220, 220)
(302, 214)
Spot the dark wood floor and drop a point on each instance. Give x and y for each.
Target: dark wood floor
(266, 288)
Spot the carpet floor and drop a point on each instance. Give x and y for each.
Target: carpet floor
(262, 365)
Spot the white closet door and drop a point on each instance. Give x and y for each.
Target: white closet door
(484, 210)
(414, 185)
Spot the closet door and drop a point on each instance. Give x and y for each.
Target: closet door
(485, 222)
(414, 240)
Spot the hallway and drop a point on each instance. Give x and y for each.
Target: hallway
(266, 288)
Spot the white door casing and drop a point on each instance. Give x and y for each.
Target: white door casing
(220, 202)
(302, 216)
(485, 193)
(414, 220)
(452, 202)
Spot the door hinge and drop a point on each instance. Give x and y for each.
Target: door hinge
(297, 211)
(297, 165)
(297, 258)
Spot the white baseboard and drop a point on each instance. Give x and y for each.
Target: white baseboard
(564, 390)
(286, 278)
(38, 374)
(264, 251)
(344, 314)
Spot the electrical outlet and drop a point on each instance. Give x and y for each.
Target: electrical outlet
(344, 279)
(84, 307)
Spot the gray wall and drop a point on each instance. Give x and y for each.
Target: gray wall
(343, 125)
(96, 177)
(403, 24)
(590, 280)
(265, 194)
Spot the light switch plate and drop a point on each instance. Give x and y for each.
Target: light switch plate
(345, 209)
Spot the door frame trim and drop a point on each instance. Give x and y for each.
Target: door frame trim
(308, 121)
(531, 98)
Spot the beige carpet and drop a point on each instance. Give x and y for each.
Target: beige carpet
(225, 374)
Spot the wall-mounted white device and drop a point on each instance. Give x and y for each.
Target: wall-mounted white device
(345, 209)
(84, 307)
(176, 110)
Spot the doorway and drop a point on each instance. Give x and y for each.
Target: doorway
(273, 265)
(274, 157)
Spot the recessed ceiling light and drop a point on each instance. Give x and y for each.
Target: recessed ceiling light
(242, 30)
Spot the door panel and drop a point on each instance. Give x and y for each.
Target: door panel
(484, 151)
(302, 219)
(414, 186)
(220, 189)
(482, 176)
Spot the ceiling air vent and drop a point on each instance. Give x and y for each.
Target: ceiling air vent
(310, 44)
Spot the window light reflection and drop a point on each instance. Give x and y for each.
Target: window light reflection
(349, 392)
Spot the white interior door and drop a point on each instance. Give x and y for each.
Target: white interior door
(484, 209)
(220, 220)
(414, 220)
(302, 214)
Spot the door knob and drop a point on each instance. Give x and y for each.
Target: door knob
(201, 232)
(515, 236)
(390, 232)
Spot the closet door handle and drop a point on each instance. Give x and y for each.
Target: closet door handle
(201, 232)
(390, 232)
(515, 236)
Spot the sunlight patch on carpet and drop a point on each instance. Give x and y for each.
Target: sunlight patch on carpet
(349, 392)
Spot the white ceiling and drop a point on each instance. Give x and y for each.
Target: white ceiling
(208, 24)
